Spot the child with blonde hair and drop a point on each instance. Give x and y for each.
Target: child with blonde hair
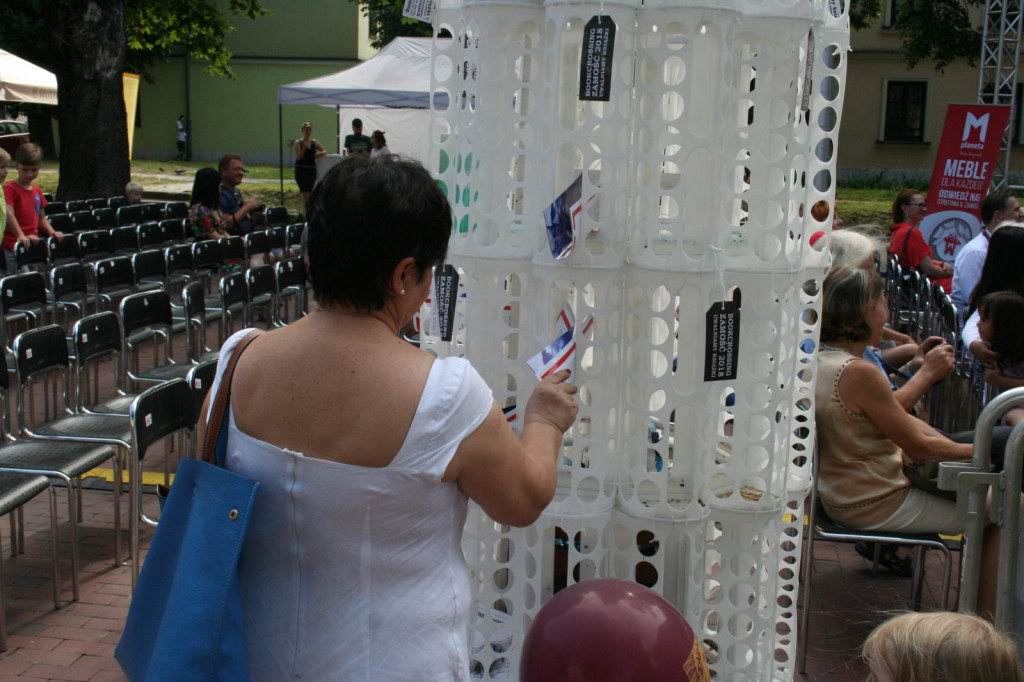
(940, 647)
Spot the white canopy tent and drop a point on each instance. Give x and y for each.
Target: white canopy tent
(22, 81)
(389, 92)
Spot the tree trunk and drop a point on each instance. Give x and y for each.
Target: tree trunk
(87, 40)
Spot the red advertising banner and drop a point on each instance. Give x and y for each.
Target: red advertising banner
(971, 139)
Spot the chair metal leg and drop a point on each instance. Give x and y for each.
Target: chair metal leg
(918, 579)
(3, 612)
(73, 494)
(54, 559)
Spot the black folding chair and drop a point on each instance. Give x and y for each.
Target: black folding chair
(114, 279)
(291, 286)
(70, 292)
(16, 489)
(35, 257)
(146, 317)
(161, 411)
(75, 443)
(23, 301)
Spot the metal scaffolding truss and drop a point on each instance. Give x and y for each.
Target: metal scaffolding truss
(997, 81)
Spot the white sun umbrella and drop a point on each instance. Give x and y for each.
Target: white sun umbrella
(23, 81)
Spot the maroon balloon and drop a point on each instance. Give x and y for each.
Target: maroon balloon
(610, 630)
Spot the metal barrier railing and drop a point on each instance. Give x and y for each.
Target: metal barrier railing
(972, 483)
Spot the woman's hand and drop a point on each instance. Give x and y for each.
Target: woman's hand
(935, 270)
(985, 355)
(995, 377)
(938, 360)
(552, 402)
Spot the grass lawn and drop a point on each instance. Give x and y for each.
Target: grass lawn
(855, 205)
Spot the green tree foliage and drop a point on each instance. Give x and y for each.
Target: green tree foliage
(88, 45)
(387, 22)
(157, 28)
(940, 31)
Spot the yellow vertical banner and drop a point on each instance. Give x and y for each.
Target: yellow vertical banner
(131, 99)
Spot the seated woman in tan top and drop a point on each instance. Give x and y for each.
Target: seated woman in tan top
(864, 433)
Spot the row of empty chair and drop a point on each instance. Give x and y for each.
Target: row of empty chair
(96, 245)
(70, 217)
(197, 281)
(82, 431)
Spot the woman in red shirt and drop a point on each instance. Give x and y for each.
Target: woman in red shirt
(907, 243)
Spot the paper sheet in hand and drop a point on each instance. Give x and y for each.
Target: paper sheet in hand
(558, 355)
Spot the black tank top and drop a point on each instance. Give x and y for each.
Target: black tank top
(308, 159)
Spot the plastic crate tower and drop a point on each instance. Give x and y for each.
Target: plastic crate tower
(687, 468)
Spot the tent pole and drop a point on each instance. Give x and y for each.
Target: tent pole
(280, 148)
(337, 122)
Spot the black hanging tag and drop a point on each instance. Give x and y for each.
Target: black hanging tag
(596, 60)
(446, 286)
(722, 341)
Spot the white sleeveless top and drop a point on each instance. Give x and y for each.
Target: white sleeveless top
(356, 573)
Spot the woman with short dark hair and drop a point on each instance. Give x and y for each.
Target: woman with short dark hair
(367, 450)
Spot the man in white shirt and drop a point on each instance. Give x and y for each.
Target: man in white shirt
(999, 206)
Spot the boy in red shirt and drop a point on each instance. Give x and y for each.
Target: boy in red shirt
(25, 204)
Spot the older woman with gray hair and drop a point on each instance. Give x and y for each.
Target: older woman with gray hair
(864, 434)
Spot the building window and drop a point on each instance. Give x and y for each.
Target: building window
(892, 12)
(906, 105)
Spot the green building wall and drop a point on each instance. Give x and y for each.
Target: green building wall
(300, 40)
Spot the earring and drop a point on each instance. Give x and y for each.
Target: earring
(402, 292)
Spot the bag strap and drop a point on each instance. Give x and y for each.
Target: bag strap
(220, 401)
(906, 240)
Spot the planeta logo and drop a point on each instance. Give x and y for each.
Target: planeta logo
(975, 131)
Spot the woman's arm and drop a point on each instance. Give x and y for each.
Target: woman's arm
(897, 356)
(937, 363)
(298, 149)
(320, 150)
(928, 267)
(864, 390)
(994, 376)
(890, 334)
(513, 479)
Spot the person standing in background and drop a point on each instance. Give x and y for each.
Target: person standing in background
(998, 207)
(182, 138)
(307, 151)
(358, 144)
